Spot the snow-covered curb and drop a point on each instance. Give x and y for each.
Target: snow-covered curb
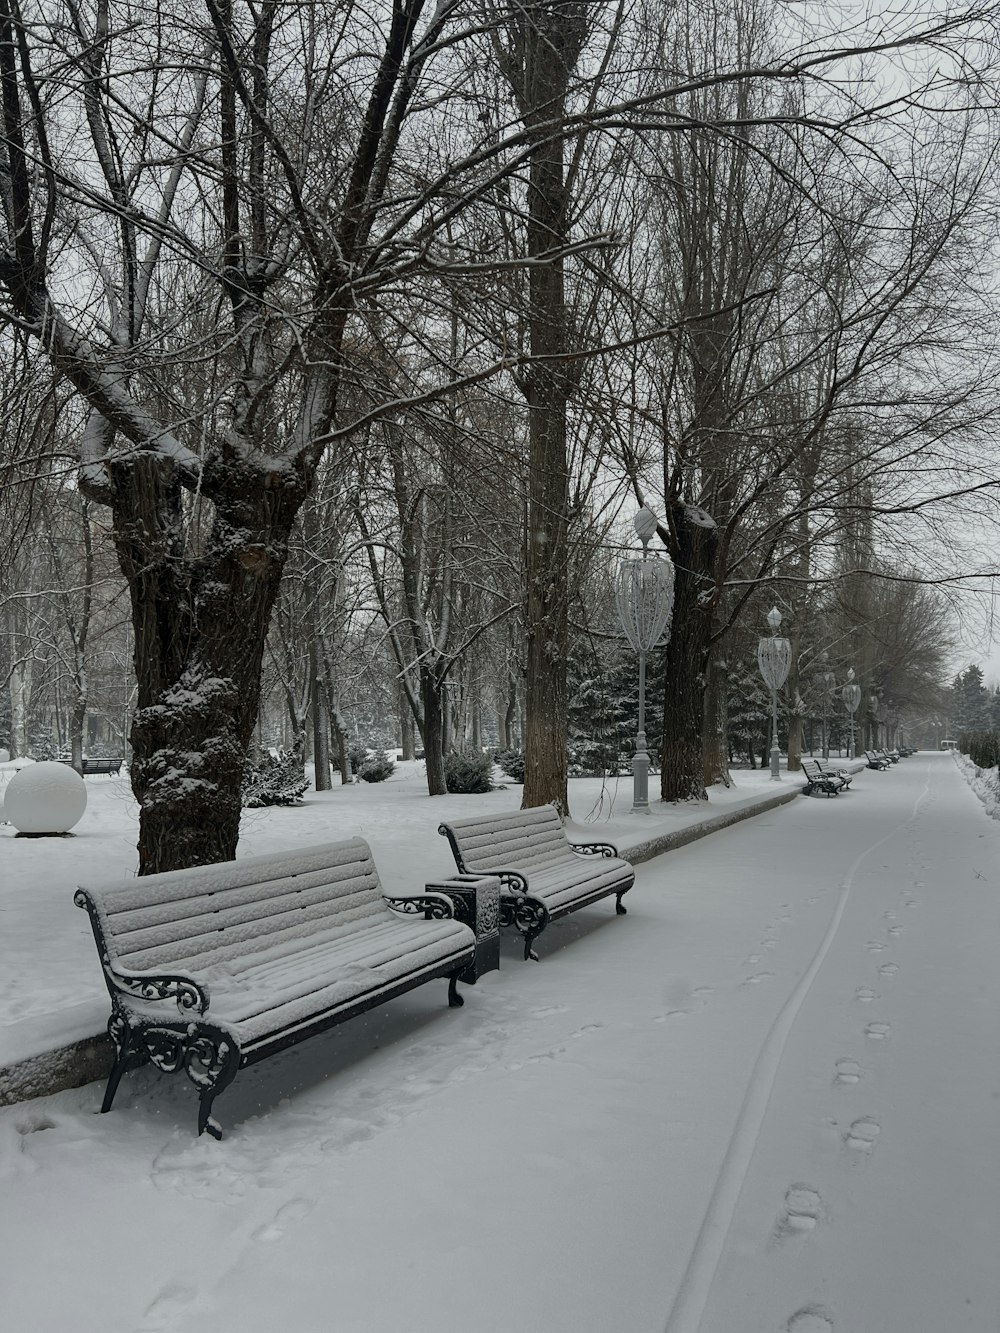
(90, 1058)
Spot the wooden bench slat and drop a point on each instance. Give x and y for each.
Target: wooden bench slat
(345, 879)
(201, 916)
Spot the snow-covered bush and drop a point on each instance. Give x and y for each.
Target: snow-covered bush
(512, 763)
(357, 755)
(982, 747)
(469, 773)
(376, 769)
(272, 780)
(985, 782)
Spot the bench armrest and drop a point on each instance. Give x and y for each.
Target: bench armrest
(434, 906)
(594, 848)
(191, 996)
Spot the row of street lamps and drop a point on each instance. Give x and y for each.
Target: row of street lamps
(645, 596)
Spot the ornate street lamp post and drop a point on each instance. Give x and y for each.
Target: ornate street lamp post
(645, 596)
(851, 695)
(774, 657)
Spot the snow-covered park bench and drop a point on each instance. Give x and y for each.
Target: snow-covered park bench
(260, 953)
(823, 779)
(544, 875)
(876, 760)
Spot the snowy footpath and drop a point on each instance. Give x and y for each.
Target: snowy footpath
(765, 1101)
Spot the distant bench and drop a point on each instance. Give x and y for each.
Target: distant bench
(544, 875)
(94, 766)
(263, 952)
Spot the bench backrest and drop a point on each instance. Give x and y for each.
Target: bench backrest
(198, 918)
(514, 840)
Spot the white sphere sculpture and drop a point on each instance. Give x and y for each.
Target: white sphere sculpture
(44, 798)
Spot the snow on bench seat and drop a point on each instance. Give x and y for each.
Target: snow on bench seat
(545, 876)
(258, 954)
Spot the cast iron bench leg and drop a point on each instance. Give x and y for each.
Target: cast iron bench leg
(620, 908)
(125, 1059)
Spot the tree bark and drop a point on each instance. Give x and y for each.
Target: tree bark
(715, 740)
(432, 729)
(200, 631)
(693, 547)
(548, 39)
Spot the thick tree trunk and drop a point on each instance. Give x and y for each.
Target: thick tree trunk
(320, 722)
(715, 740)
(547, 559)
(407, 728)
(200, 632)
(694, 542)
(546, 41)
(341, 740)
(20, 693)
(77, 720)
(509, 717)
(432, 728)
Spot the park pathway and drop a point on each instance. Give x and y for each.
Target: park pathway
(859, 1191)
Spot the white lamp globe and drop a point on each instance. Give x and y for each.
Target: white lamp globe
(45, 798)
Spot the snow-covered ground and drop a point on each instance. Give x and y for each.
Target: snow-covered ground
(51, 989)
(764, 1100)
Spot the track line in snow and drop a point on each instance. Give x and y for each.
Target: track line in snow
(696, 1283)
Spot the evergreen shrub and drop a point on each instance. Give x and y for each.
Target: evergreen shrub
(982, 747)
(512, 763)
(470, 773)
(374, 770)
(272, 781)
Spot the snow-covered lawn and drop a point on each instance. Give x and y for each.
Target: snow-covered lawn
(51, 989)
(766, 1100)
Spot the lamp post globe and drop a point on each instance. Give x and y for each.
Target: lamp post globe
(645, 598)
(774, 657)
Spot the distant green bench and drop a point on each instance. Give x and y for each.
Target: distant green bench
(90, 767)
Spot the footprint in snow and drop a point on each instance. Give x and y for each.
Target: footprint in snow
(865, 994)
(167, 1309)
(287, 1215)
(863, 1134)
(810, 1319)
(682, 999)
(873, 946)
(888, 969)
(894, 930)
(803, 1209)
(878, 1031)
(756, 979)
(349, 1133)
(848, 1071)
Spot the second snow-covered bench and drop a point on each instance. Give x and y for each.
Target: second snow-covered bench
(544, 875)
(259, 954)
